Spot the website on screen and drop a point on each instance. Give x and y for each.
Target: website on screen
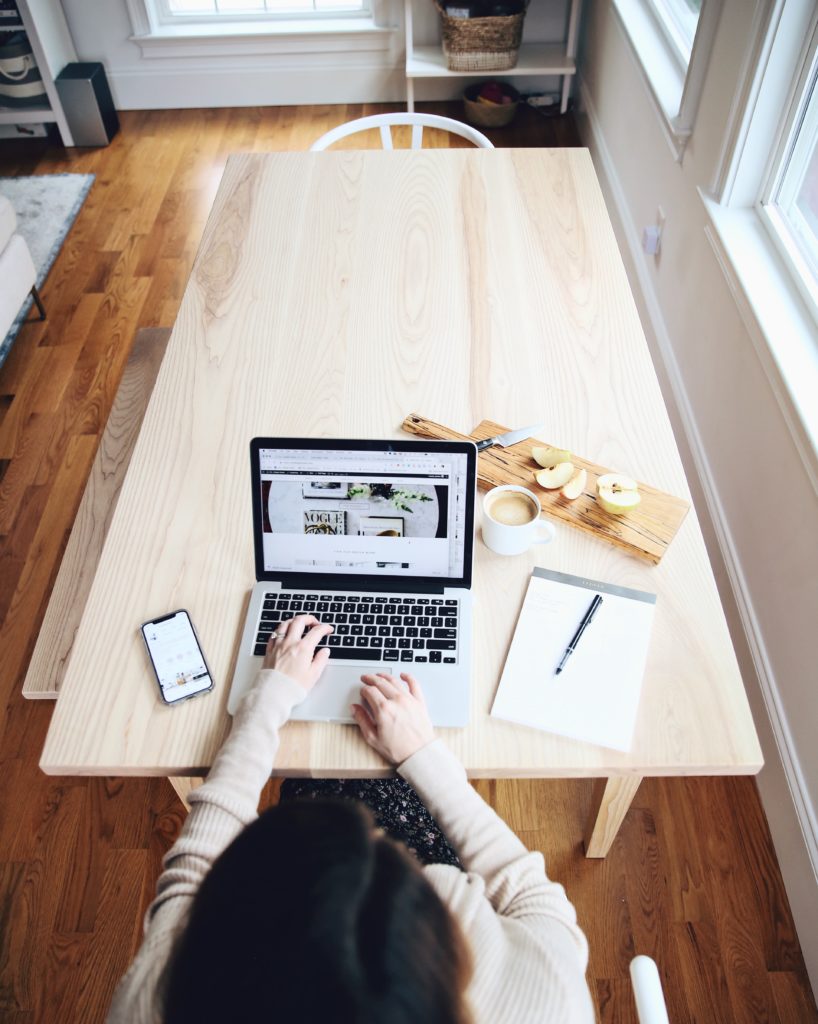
(387, 513)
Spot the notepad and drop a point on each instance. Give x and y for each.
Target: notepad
(596, 696)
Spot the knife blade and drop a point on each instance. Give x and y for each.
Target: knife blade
(510, 437)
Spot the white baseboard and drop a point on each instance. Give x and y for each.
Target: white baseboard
(308, 81)
(783, 791)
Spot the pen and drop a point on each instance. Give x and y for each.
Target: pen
(586, 619)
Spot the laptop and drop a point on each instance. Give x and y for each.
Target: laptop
(375, 538)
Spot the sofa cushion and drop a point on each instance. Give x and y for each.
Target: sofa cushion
(17, 275)
(8, 222)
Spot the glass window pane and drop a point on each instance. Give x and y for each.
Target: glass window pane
(191, 6)
(239, 6)
(679, 20)
(797, 195)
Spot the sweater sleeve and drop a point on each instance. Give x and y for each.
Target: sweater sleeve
(514, 880)
(220, 809)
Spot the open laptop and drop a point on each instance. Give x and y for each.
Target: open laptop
(376, 538)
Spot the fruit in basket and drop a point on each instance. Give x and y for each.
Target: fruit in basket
(494, 94)
(617, 494)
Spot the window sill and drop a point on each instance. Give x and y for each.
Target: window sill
(778, 320)
(660, 66)
(356, 32)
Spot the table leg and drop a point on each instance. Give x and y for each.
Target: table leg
(184, 787)
(612, 798)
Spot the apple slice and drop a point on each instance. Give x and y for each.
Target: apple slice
(576, 485)
(617, 494)
(556, 476)
(548, 457)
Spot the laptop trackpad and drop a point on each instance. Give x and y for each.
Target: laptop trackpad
(335, 691)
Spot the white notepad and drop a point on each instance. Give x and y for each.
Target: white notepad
(596, 696)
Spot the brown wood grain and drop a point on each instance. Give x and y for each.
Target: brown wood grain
(50, 827)
(646, 531)
(65, 607)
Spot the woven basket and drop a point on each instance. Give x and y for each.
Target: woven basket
(481, 44)
(489, 115)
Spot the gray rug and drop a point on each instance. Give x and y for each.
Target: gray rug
(46, 206)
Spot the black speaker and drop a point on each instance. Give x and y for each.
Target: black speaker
(87, 104)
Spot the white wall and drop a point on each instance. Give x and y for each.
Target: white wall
(742, 461)
(101, 30)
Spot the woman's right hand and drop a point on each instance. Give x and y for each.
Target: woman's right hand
(393, 719)
(292, 649)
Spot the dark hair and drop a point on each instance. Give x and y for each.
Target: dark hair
(311, 915)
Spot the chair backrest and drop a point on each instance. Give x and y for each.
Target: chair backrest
(385, 122)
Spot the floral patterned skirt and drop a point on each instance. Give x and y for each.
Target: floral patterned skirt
(395, 806)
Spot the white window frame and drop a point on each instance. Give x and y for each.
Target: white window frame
(161, 15)
(665, 13)
(675, 83)
(793, 149)
(779, 316)
(341, 32)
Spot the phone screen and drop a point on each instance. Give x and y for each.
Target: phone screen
(177, 658)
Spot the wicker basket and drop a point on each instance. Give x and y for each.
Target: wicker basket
(494, 115)
(481, 44)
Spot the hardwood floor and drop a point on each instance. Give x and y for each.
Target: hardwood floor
(692, 878)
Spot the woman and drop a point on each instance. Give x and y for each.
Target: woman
(307, 913)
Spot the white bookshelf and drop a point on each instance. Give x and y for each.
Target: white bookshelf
(533, 59)
(44, 23)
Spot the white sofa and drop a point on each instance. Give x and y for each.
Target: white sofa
(17, 274)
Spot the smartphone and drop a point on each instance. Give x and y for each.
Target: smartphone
(177, 657)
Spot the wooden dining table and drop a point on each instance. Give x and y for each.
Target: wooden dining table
(334, 293)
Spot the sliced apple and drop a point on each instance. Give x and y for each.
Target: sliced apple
(576, 485)
(556, 476)
(548, 457)
(617, 494)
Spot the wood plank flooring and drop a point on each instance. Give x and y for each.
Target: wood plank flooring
(692, 878)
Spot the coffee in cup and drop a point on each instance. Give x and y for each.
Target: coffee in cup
(511, 520)
(512, 508)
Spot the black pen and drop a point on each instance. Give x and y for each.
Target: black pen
(586, 619)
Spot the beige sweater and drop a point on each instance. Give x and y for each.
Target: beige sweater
(529, 955)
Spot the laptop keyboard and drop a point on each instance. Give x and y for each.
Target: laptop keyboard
(383, 628)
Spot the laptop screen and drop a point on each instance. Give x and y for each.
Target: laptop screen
(353, 511)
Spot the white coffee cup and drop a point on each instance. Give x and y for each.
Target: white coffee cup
(511, 520)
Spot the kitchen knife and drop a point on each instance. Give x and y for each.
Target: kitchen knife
(511, 437)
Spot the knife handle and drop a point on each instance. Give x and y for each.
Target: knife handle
(487, 443)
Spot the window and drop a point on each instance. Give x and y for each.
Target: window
(678, 20)
(789, 204)
(763, 209)
(215, 11)
(672, 40)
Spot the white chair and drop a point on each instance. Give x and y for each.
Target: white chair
(418, 122)
(647, 991)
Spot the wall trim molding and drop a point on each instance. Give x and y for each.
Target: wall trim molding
(788, 765)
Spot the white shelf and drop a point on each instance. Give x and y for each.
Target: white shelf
(45, 25)
(533, 59)
(26, 115)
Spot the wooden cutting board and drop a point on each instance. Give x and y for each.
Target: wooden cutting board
(646, 531)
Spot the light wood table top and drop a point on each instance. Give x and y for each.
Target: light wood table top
(334, 293)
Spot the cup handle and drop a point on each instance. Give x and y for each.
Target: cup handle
(547, 532)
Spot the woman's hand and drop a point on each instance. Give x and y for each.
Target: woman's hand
(394, 720)
(291, 649)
